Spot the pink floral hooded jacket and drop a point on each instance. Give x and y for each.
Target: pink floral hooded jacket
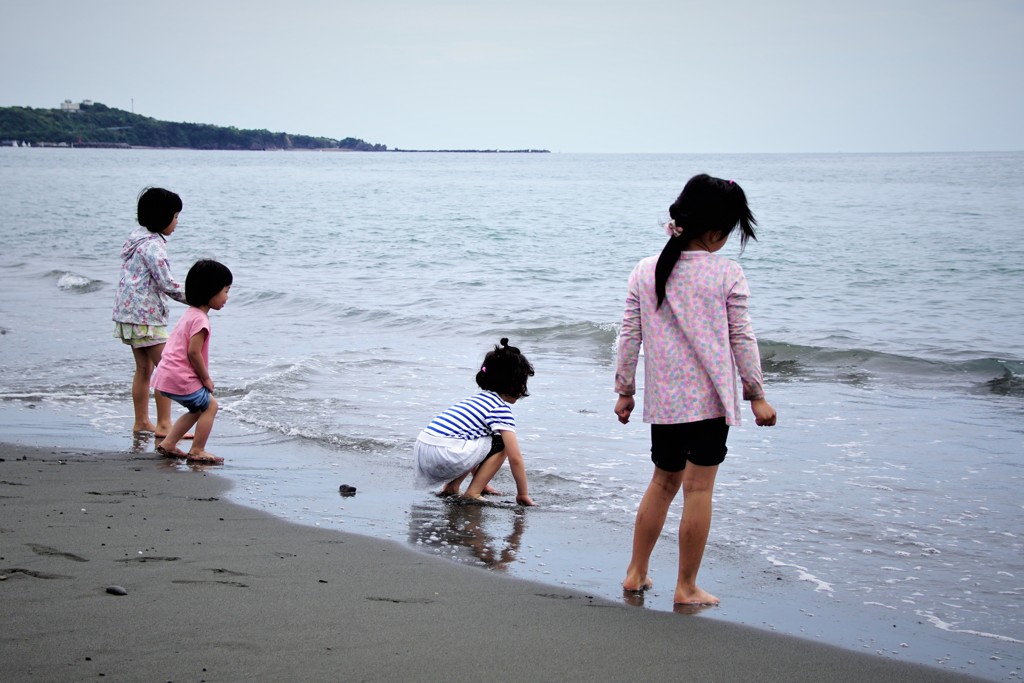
(146, 280)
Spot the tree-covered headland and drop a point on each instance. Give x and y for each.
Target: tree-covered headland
(91, 124)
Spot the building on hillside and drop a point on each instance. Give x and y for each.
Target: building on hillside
(68, 105)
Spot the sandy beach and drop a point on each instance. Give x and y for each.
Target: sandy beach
(220, 592)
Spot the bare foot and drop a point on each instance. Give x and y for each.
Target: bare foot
(163, 434)
(695, 596)
(170, 452)
(204, 458)
(631, 585)
(490, 491)
(145, 428)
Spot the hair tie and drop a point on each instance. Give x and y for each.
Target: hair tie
(673, 230)
(483, 369)
(730, 182)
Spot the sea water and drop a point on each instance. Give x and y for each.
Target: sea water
(883, 512)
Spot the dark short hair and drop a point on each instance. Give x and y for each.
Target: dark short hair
(204, 281)
(157, 207)
(505, 370)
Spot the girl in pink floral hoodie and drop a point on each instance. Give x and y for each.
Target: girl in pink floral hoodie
(688, 307)
(140, 309)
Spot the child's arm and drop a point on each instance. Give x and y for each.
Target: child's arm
(195, 357)
(518, 467)
(160, 270)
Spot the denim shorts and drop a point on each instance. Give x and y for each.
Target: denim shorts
(196, 402)
(702, 443)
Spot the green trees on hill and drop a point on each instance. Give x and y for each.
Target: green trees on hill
(99, 124)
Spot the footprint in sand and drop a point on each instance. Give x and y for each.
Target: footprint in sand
(53, 552)
(30, 572)
(234, 584)
(402, 601)
(150, 558)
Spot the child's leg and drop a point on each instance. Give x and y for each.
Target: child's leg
(698, 487)
(140, 388)
(203, 429)
(163, 414)
(169, 445)
(650, 518)
(452, 487)
(483, 474)
(163, 404)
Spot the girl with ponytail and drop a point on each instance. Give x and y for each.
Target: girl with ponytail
(688, 308)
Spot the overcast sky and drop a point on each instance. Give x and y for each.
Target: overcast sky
(565, 75)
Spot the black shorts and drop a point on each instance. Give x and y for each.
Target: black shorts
(497, 445)
(702, 443)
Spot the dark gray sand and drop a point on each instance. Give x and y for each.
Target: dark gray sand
(219, 592)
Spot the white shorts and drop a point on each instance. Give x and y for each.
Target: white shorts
(441, 459)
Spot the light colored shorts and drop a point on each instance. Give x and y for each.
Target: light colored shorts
(140, 336)
(440, 460)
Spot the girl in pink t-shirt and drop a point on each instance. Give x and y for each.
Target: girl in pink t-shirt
(183, 374)
(688, 307)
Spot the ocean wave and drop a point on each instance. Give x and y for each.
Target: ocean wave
(301, 308)
(596, 341)
(1009, 384)
(782, 361)
(83, 394)
(72, 282)
(324, 437)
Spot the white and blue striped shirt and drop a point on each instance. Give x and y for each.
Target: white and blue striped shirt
(478, 416)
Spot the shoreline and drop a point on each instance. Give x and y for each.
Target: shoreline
(219, 591)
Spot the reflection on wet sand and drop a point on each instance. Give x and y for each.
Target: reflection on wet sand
(140, 442)
(636, 599)
(696, 608)
(452, 526)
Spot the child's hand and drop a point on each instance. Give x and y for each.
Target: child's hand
(525, 500)
(764, 414)
(208, 383)
(624, 408)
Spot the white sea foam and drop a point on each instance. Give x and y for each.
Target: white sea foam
(804, 575)
(946, 626)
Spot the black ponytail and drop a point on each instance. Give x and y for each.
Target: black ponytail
(706, 206)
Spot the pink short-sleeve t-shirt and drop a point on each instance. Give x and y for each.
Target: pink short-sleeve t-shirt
(175, 374)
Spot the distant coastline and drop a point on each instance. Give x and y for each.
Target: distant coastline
(477, 151)
(92, 125)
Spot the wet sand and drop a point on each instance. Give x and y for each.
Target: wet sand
(221, 592)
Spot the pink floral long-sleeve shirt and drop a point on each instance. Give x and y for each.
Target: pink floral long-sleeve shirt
(694, 345)
(146, 280)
